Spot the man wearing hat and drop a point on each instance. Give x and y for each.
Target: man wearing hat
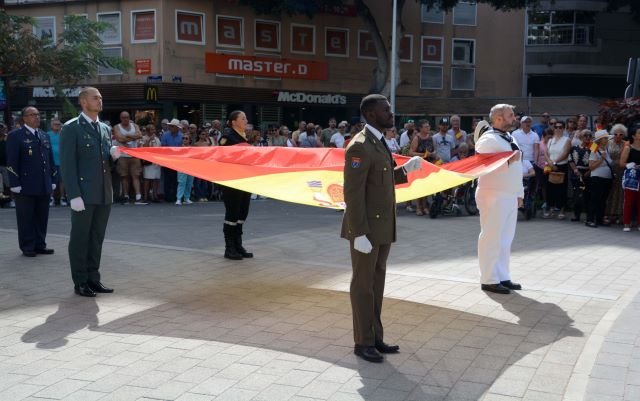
(171, 138)
(337, 139)
(498, 197)
(444, 143)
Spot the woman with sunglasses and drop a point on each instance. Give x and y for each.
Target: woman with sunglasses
(613, 211)
(579, 163)
(558, 159)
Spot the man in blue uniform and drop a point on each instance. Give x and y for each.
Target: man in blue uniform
(31, 178)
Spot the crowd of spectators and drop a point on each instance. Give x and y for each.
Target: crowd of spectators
(575, 168)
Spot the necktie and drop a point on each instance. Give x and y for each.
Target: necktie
(384, 142)
(95, 127)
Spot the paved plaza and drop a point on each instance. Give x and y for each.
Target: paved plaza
(186, 324)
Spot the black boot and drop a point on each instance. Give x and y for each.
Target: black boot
(239, 246)
(230, 251)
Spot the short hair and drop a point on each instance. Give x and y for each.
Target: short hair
(619, 127)
(498, 110)
(369, 101)
(24, 110)
(84, 92)
(454, 116)
(423, 122)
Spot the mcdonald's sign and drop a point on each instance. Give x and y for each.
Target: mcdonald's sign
(151, 93)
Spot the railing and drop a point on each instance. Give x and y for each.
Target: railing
(560, 34)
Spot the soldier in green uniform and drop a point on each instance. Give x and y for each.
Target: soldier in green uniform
(236, 202)
(86, 157)
(369, 223)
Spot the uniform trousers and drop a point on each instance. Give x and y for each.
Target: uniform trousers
(32, 214)
(498, 218)
(85, 243)
(367, 292)
(236, 205)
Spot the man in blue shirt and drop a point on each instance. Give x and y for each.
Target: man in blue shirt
(54, 138)
(542, 125)
(171, 138)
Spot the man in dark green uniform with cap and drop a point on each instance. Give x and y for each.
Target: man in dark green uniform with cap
(85, 163)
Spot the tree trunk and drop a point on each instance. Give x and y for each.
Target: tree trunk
(381, 72)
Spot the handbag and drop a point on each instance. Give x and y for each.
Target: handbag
(630, 179)
(556, 177)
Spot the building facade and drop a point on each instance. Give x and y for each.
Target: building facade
(199, 60)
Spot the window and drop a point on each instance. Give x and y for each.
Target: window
(431, 77)
(406, 48)
(463, 51)
(465, 13)
(45, 28)
(434, 15)
(431, 50)
(229, 31)
(336, 42)
(190, 27)
(366, 48)
(561, 28)
(143, 26)
(110, 52)
(463, 79)
(303, 38)
(267, 35)
(113, 34)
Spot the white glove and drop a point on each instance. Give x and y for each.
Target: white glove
(53, 187)
(631, 165)
(362, 244)
(77, 204)
(415, 163)
(16, 190)
(115, 152)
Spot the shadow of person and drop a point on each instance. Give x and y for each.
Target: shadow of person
(73, 315)
(444, 352)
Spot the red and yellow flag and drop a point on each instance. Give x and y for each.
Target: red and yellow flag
(302, 175)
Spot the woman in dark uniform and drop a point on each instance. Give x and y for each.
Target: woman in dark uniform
(236, 202)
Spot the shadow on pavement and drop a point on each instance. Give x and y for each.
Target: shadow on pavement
(444, 352)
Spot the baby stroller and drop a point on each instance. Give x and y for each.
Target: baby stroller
(528, 205)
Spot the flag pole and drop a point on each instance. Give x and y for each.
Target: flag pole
(392, 93)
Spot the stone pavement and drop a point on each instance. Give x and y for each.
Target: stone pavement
(186, 324)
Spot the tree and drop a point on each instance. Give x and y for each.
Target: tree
(75, 56)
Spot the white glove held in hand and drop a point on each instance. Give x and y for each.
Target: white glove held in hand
(53, 187)
(115, 152)
(631, 165)
(77, 204)
(16, 190)
(362, 244)
(415, 163)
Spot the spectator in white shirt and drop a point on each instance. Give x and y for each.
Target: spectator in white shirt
(337, 139)
(443, 143)
(528, 140)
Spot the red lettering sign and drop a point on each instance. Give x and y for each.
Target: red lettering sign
(303, 39)
(229, 31)
(267, 35)
(366, 49)
(143, 66)
(337, 42)
(265, 67)
(189, 27)
(431, 50)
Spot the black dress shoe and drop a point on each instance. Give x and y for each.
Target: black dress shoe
(29, 254)
(98, 287)
(83, 290)
(368, 353)
(45, 251)
(386, 348)
(511, 285)
(497, 288)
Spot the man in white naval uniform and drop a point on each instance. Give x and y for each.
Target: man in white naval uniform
(498, 197)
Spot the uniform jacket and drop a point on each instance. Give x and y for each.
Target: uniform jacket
(506, 179)
(85, 162)
(231, 137)
(30, 162)
(369, 190)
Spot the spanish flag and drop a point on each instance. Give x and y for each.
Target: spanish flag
(594, 147)
(304, 175)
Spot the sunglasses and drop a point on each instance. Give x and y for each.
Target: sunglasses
(559, 127)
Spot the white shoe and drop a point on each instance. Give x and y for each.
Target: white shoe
(179, 203)
(254, 196)
(626, 229)
(63, 203)
(188, 201)
(52, 202)
(12, 204)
